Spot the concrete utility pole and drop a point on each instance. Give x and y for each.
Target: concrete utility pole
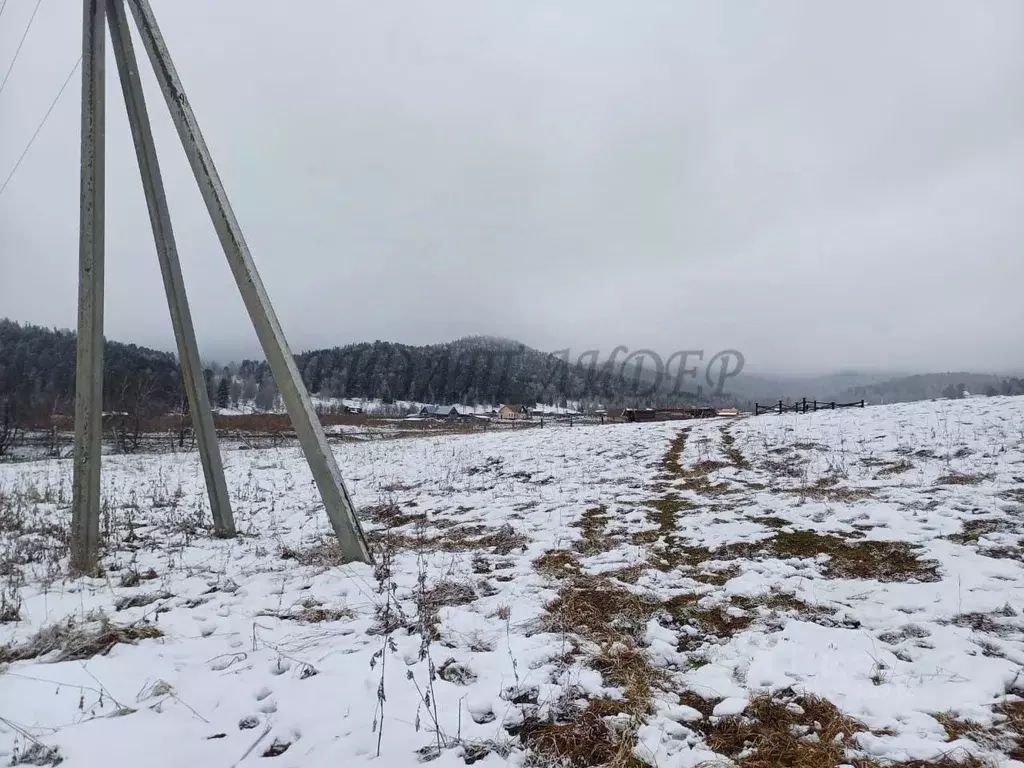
(254, 295)
(85, 504)
(170, 268)
(88, 402)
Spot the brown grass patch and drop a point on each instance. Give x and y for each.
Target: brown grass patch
(958, 478)
(70, 641)
(974, 529)
(588, 740)
(983, 622)
(881, 560)
(827, 488)
(793, 731)
(672, 463)
(707, 467)
(735, 456)
(596, 608)
(1006, 735)
(140, 601)
(716, 620)
(391, 516)
(323, 553)
(736, 614)
(783, 730)
(557, 563)
(895, 468)
(594, 541)
(1012, 494)
(860, 559)
(628, 668)
(630, 574)
(463, 538)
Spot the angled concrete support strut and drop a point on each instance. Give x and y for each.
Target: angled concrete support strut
(170, 268)
(85, 504)
(300, 408)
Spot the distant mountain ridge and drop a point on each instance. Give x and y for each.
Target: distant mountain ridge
(37, 368)
(475, 370)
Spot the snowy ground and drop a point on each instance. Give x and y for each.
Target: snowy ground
(838, 587)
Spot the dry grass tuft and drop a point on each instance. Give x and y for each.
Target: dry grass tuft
(735, 456)
(70, 641)
(974, 529)
(140, 601)
(459, 538)
(596, 608)
(391, 516)
(594, 541)
(324, 553)
(827, 488)
(628, 668)
(707, 467)
(132, 577)
(591, 738)
(787, 730)
(314, 612)
(1012, 494)
(782, 730)
(557, 563)
(672, 463)
(895, 468)
(957, 478)
(881, 560)
(1006, 735)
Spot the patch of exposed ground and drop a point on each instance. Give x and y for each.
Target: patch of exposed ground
(732, 453)
(790, 730)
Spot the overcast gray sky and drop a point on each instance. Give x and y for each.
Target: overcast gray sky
(819, 184)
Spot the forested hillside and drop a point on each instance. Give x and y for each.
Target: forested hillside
(37, 369)
(476, 370)
(932, 385)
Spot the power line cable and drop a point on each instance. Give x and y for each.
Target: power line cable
(40, 126)
(23, 36)
(2, 6)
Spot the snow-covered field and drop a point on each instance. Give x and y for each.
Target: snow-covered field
(843, 587)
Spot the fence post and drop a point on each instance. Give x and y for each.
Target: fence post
(780, 407)
(833, 405)
(805, 405)
(861, 403)
(814, 406)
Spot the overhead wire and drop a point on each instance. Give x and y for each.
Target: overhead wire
(40, 126)
(21, 43)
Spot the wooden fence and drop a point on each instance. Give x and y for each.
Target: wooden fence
(803, 406)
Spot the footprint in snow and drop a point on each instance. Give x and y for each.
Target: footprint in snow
(262, 693)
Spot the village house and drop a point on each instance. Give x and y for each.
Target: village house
(513, 412)
(440, 411)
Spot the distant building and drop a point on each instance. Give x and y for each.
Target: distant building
(667, 414)
(509, 412)
(440, 411)
(728, 411)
